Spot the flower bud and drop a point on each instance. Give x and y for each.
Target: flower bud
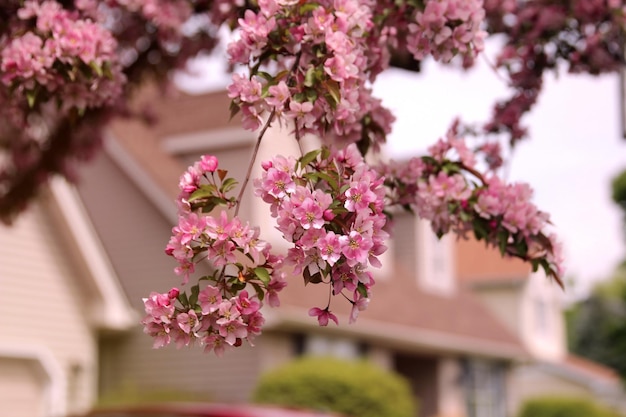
(173, 293)
(208, 163)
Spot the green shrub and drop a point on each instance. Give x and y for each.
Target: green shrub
(358, 389)
(563, 407)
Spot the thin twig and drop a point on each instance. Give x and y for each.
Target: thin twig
(253, 159)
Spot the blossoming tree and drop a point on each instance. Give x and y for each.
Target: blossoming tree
(67, 67)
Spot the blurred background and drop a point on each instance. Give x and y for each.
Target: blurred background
(471, 334)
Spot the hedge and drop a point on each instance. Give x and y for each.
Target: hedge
(563, 407)
(352, 388)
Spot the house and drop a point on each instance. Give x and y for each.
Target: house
(58, 295)
(531, 307)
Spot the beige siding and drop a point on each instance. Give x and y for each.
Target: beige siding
(134, 235)
(22, 388)
(41, 305)
(505, 304)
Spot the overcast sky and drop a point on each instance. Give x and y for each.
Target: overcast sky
(575, 147)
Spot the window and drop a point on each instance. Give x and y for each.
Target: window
(485, 387)
(435, 261)
(326, 346)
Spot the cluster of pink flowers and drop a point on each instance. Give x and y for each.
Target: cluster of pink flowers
(220, 313)
(61, 54)
(446, 28)
(329, 203)
(217, 323)
(322, 57)
(446, 189)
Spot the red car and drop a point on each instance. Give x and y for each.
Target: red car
(205, 410)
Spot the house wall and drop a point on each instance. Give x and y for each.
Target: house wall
(505, 302)
(528, 304)
(543, 326)
(43, 320)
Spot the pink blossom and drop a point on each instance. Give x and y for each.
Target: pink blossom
(232, 330)
(208, 163)
(160, 332)
(279, 94)
(188, 322)
(309, 214)
(276, 284)
(358, 305)
(219, 229)
(228, 312)
(245, 305)
(159, 307)
(210, 299)
(355, 247)
(359, 196)
(323, 316)
(330, 248)
(215, 343)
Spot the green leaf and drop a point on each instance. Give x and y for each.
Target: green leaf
(106, 68)
(265, 75)
(361, 289)
(210, 203)
(228, 185)
(309, 77)
(260, 293)
(333, 90)
(237, 286)
(309, 157)
(311, 95)
(308, 7)
(234, 109)
(193, 298)
(503, 239)
(96, 68)
(205, 191)
(31, 96)
(480, 231)
(464, 216)
(182, 298)
(262, 274)
(330, 180)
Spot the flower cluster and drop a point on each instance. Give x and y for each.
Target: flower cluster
(446, 189)
(61, 55)
(446, 28)
(321, 56)
(221, 312)
(329, 203)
